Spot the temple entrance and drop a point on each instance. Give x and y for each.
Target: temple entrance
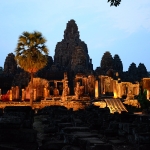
(60, 87)
(51, 87)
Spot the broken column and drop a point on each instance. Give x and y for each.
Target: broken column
(23, 95)
(10, 95)
(34, 94)
(17, 92)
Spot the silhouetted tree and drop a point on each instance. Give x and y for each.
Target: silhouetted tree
(114, 2)
(142, 99)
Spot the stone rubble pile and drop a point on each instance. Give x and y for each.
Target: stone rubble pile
(92, 129)
(57, 128)
(16, 130)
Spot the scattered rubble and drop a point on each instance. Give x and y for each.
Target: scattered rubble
(57, 128)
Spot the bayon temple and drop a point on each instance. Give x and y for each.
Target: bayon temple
(70, 76)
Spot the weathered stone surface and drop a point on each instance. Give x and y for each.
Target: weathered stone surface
(98, 145)
(21, 78)
(69, 147)
(10, 65)
(116, 142)
(52, 145)
(74, 137)
(44, 72)
(106, 62)
(71, 53)
(135, 129)
(141, 71)
(117, 65)
(132, 71)
(17, 135)
(16, 117)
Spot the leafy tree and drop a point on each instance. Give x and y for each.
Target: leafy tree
(142, 99)
(114, 2)
(31, 54)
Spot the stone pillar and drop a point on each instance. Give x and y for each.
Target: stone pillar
(48, 93)
(13, 92)
(77, 90)
(111, 85)
(101, 85)
(17, 92)
(115, 89)
(119, 90)
(34, 95)
(65, 88)
(96, 89)
(148, 94)
(55, 84)
(84, 84)
(23, 95)
(45, 93)
(75, 81)
(138, 88)
(10, 95)
(104, 86)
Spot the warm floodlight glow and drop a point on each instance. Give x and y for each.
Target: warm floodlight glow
(147, 94)
(96, 89)
(115, 95)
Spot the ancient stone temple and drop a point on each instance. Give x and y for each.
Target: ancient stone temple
(70, 77)
(71, 54)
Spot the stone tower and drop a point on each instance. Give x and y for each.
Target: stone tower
(132, 72)
(71, 54)
(106, 62)
(142, 71)
(117, 64)
(10, 65)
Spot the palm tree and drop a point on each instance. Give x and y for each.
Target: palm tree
(114, 2)
(31, 54)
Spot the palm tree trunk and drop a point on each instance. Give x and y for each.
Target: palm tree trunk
(31, 95)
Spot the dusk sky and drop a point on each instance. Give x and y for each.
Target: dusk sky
(123, 30)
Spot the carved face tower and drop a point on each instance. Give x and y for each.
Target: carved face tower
(71, 33)
(79, 60)
(71, 53)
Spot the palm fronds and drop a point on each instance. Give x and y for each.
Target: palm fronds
(31, 51)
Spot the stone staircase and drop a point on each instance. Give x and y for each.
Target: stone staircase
(115, 105)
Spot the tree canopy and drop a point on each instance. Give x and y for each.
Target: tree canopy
(142, 98)
(114, 2)
(31, 52)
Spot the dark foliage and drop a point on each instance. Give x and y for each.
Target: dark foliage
(143, 100)
(114, 2)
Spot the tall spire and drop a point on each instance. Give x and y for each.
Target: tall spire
(71, 32)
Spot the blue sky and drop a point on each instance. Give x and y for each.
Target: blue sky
(123, 30)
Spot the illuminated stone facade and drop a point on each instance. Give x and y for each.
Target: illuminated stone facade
(71, 54)
(70, 76)
(146, 85)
